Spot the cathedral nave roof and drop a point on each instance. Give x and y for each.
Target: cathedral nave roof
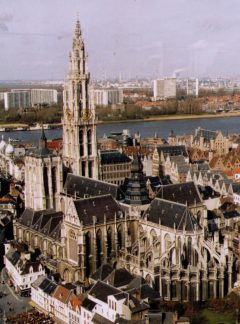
(181, 192)
(46, 221)
(101, 207)
(81, 187)
(173, 215)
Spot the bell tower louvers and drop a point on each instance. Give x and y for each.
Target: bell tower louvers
(79, 123)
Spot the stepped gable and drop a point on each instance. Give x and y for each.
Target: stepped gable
(172, 215)
(102, 290)
(101, 207)
(113, 157)
(172, 150)
(81, 187)
(183, 193)
(46, 221)
(119, 278)
(102, 272)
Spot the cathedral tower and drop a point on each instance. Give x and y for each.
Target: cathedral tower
(79, 123)
(43, 177)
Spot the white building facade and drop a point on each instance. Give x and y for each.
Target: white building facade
(17, 99)
(164, 88)
(105, 97)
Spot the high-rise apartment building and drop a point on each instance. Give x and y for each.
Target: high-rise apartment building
(27, 98)
(104, 97)
(192, 87)
(17, 99)
(43, 96)
(164, 88)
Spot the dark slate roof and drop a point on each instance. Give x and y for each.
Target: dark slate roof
(236, 188)
(136, 306)
(13, 256)
(183, 193)
(82, 187)
(119, 278)
(172, 150)
(102, 272)
(139, 285)
(113, 157)
(231, 214)
(170, 214)
(100, 207)
(157, 182)
(102, 290)
(46, 221)
(47, 285)
(207, 192)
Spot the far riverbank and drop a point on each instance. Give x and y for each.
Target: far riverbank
(174, 117)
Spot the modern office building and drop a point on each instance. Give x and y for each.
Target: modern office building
(164, 88)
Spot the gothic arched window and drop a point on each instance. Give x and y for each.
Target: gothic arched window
(54, 180)
(72, 249)
(81, 143)
(109, 242)
(88, 253)
(89, 141)
(99, 247)
(45, 181)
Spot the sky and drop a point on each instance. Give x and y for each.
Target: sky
(124, 38)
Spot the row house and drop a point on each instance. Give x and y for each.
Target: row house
(102, 303)
(196, 155)
(229, 164)
(161, 153)
(217, 180)
(206, 140)
(176, 168)
(21, 269)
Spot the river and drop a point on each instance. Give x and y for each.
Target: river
(147, 129)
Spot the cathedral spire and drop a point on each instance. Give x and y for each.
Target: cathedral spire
(79, 124)
(77, 29)
(43, 140)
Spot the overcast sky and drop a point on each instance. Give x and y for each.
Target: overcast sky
(127, 37)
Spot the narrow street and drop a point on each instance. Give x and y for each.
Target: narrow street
(10, 302)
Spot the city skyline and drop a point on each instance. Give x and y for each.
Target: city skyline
(124, 39)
